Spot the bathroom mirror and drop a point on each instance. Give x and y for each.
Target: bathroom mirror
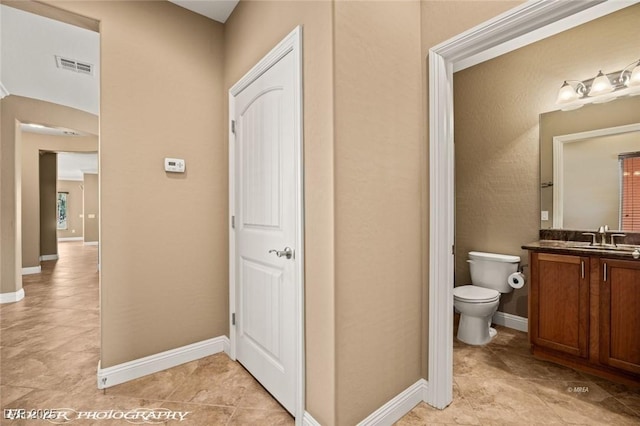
(590, 167)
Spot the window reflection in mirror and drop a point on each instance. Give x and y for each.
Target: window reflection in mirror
(630, 191)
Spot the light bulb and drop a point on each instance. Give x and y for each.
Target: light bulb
(634, 78)
(600, 85)
(566, 94)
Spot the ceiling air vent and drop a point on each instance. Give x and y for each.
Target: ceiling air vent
(73, 65)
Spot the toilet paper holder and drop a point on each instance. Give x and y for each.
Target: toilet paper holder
(521, 268)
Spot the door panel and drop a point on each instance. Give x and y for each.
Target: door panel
(560, 303)
(265, 209)
(620, 314)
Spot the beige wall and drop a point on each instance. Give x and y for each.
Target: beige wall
(48, 200)
(90, 211)
(161, 96)
(377, 185)
(31, 146)
(74, 208)
(497, 107)
(253, 29)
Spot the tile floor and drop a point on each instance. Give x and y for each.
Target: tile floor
(49, 351)
(501, 383)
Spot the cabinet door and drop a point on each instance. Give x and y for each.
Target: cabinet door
(620, 314)
(560, 303)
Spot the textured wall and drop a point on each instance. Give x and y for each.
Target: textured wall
(497, 107)
(377, 170)
(90, 208)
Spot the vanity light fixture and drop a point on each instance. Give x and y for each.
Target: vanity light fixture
(602, 88)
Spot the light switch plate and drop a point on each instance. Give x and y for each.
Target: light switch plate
(544, 215)
(174, 165)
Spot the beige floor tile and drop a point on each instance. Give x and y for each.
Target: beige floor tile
(155, 386)
(252, 417)
(255, 396)
(505, 401)
(476, 361)
(8, 394)
(220, 382)
(458, 413)
(200, 414)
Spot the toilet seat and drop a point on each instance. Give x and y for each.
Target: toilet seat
(475, 294)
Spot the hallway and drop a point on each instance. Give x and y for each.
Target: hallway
(49, 353)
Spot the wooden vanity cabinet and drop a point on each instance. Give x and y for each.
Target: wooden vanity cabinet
(559, 303)
(620, 314)
(584, 312)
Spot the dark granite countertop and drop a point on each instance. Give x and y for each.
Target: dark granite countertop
(577, 248)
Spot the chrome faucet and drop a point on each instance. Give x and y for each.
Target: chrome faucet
(602, 231)
(613, 238)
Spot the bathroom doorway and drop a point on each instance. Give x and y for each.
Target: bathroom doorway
(519, 27)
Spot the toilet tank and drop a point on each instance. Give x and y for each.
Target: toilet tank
(491, 270)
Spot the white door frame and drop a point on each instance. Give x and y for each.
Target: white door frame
(516, 28)
(291, 44)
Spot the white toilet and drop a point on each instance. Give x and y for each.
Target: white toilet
(479, 301)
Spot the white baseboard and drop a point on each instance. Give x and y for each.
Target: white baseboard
(91, 243)
(511, 321)
(31, 270)
(399, 406)
(63, 239)
(16, 296)
(127, 371)
(46, 257)
(308, 420)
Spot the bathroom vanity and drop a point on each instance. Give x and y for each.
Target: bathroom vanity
(584, 307)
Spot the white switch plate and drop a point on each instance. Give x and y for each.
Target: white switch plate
(174, 165)
(544, 215)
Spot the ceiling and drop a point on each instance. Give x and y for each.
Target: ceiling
(218, 10)
(72, 165)
(28, 46)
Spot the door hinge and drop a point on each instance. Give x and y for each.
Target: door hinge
(453, 249)
(233, 126)
(233, 318)
(233, 222)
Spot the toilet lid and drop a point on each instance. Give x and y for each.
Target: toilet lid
(475, 294)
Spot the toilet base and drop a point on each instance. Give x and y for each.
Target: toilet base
(475, 330)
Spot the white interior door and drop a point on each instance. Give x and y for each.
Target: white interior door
(265, 206)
